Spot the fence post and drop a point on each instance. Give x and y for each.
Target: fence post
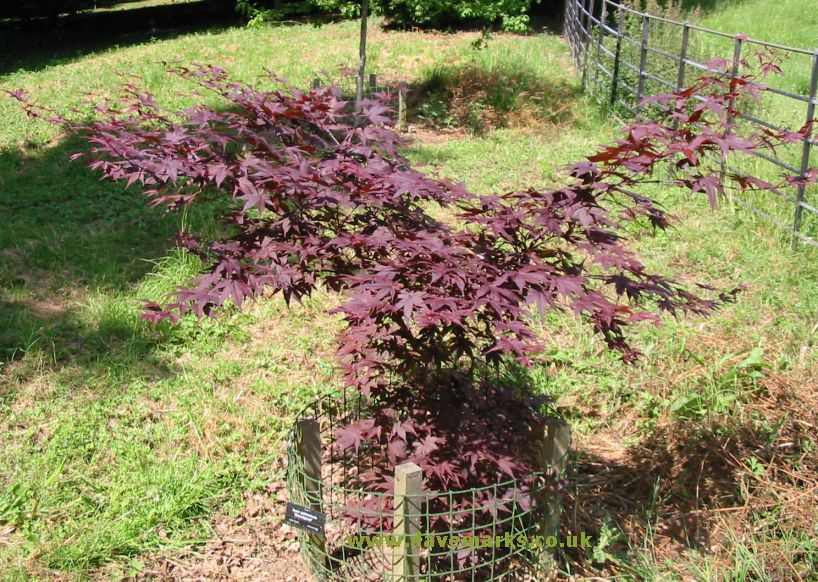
(308, 445)
(577, 32)
(373, 84)
(569, 27)
(680, 82)
(731, 113)
(733, 74)
(643, 58)
(680, 76)
(587, 43)
(807, 149)
(566, 21)
(620, 30)
(407, 504)
(359, 80)
(599, 39)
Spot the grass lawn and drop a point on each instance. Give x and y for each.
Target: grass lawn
(789, 22)
(124, 445)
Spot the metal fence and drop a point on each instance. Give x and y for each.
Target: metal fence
(624, 55)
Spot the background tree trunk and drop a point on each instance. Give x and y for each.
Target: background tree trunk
(359, 86)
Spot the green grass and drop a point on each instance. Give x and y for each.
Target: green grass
(120, 439)
(115, 5)
(789, 22)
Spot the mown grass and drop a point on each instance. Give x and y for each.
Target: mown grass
(121, 439)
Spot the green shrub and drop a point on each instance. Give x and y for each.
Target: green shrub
(259, 12)
(510, 15)
(346, 8)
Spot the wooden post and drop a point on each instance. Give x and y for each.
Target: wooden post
(308, 445)
(402, 109)
(733, 74)
(807, 148)
(554, 437)
(680, 75)
(316, 83)
(553, 457)
(682, 72)
(566, 24)
(731, 113)
(359, 82)
(576, 27)
(373, 84)
(680, 83)
(408, 490)
(578, 32)
(589, 22)
(573, 32)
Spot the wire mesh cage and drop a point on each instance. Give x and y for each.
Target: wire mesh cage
(393, 91)
(406, 533)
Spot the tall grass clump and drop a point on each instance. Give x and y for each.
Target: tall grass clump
(487, 89)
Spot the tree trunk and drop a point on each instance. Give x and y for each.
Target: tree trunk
(359, 86)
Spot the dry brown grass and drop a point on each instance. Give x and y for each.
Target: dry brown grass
(699, 486)
(482, 98)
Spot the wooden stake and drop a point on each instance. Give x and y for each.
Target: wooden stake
(359, 85)
(402, 109)
(552, 456)
(373, 84)
(408, 489)
(308, 445)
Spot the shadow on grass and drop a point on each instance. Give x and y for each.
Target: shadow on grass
(92, 383)
(31, 46)
(72, 247)
(687, 485)
(673, 491)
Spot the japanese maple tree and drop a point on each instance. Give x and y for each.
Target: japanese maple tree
(316, 195)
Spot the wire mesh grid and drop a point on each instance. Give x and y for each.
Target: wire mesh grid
(374, 86)
(463, 544)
